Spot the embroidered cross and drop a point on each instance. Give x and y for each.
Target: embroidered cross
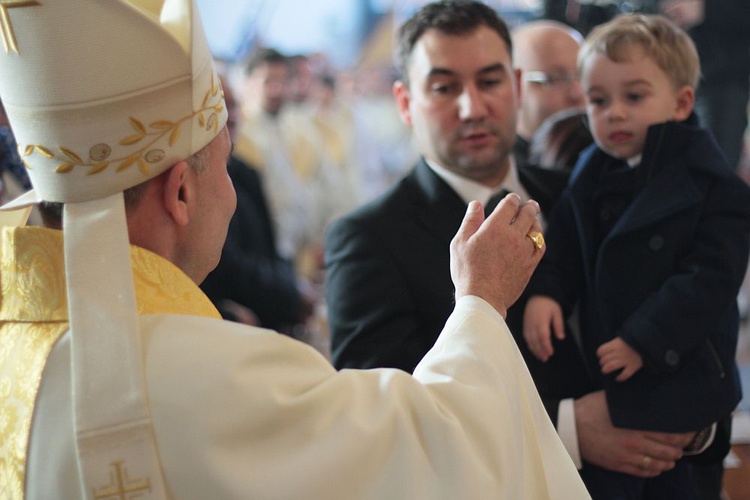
(121, 486)
(9, 38)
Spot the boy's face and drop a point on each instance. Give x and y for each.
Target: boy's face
(624, 98)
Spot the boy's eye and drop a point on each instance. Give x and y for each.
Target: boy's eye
(596, 101)
(634, 97)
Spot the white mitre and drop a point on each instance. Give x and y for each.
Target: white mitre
(103, 95)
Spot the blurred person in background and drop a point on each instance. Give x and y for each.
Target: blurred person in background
(287, 153)
(252, 283)
(558, 142)
(721, 32)
(545, 52)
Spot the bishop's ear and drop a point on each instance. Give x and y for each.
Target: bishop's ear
(178, 192)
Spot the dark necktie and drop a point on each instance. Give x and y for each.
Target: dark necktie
(494, 200)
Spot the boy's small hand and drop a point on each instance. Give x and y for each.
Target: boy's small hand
(617, 354)
(542, 317)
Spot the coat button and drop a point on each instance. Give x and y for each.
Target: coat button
(656, 243)
(672, 358)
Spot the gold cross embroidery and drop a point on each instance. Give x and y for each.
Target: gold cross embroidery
(121, 485)
(9, 38)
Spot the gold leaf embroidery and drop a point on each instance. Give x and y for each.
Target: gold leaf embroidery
(46, 152)
(128, 141)
(64, 168)
(98, 168)
(137, 125)
(126, 163)
(213, 121)
(174, 136)
(142, 166)
(148, 152)
(162, 124)
(70, 154)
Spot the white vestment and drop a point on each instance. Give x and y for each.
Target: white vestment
(247, 413)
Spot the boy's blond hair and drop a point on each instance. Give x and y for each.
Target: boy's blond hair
(660, 39)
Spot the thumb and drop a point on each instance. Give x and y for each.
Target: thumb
(472, 221)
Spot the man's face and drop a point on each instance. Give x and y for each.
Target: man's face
(624, 98)
(216, 202)
(267, 85)
(549, 81)
(461, 102)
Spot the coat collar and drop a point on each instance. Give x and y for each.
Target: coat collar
(671, 151)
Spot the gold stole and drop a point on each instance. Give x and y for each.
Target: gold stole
(33, 316)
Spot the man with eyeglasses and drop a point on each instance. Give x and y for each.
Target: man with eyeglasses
(545, 51)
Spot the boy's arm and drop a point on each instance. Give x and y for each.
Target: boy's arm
(618, 355)
(542, 317)
(560, 273)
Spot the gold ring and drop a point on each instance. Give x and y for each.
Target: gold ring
(537, 238)
(645, 462)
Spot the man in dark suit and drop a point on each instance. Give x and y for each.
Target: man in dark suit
(252, 283)
(251, 276)
(389, 287)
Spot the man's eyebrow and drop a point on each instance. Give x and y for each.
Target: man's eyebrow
(486, 69)
(440, 72)
(493, 67)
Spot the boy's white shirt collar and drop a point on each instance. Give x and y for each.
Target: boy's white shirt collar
(634, 161)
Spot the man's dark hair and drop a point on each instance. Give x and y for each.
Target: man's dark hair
(265, 55)
(452, 17)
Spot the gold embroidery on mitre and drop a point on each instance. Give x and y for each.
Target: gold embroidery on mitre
(8, 35)
(121, 484)
(151, 134)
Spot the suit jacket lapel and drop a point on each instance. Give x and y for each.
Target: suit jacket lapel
(438, 208)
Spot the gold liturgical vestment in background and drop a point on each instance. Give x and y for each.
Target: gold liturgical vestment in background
(243, 412)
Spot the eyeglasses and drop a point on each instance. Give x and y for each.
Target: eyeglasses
(552, 81)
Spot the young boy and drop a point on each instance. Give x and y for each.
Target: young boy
(651, 242)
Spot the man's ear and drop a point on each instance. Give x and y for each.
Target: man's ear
(685, 102)
(178, 192)
(403, 99)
